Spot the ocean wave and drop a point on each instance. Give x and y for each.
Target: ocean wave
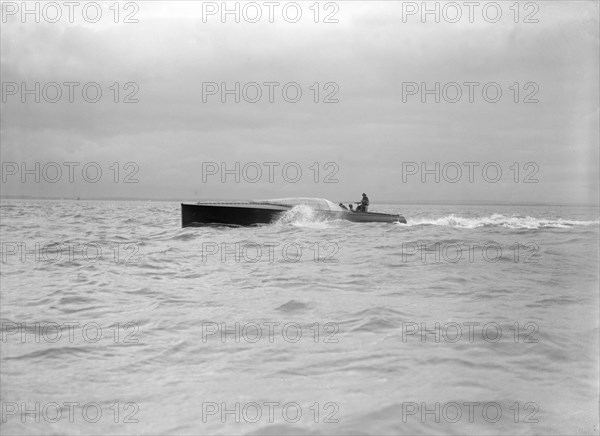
(499, 220)
(293, 306)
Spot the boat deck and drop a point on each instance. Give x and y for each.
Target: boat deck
(241, 204)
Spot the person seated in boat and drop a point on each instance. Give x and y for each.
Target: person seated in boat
(342, 206)
(351, 208)
(363, 205)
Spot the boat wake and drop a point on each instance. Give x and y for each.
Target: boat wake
(499, 220)
(304, 216)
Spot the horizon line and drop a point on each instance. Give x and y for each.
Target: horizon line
(387, 201)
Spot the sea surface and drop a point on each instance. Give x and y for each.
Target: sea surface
(465, 320)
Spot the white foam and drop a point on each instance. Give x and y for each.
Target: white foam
(512, 222)
(303, 216)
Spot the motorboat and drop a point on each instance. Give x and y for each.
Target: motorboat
(248, 213)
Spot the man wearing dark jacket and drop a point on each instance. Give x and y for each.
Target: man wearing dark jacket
(363, 204)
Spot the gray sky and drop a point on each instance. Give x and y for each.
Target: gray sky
(371, 135)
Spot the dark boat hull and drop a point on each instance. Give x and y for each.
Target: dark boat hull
(249, 214)
(228, 214)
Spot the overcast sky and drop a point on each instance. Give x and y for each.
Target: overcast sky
(371, 136)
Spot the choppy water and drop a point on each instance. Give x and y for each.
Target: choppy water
(358, 293)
